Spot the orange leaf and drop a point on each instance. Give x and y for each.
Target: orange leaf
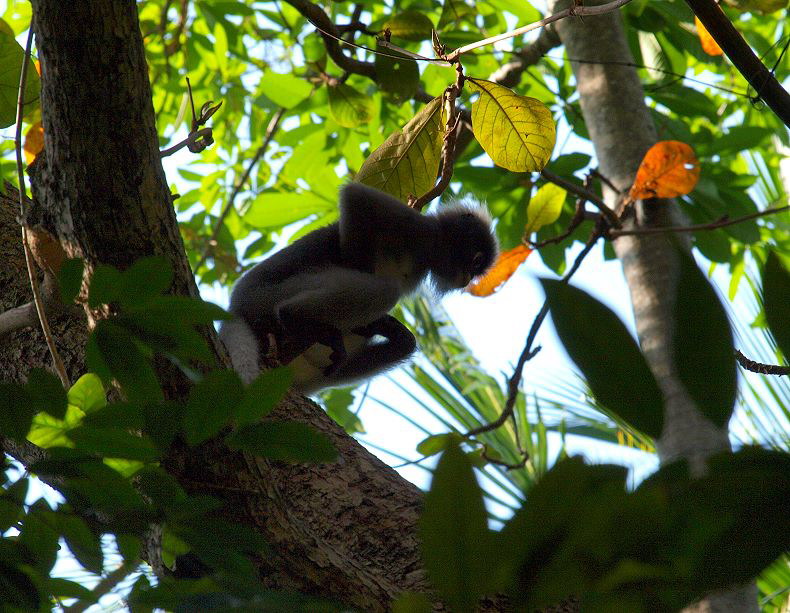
(709, 45)
(34, 142)
(506, 264)
(669, 169)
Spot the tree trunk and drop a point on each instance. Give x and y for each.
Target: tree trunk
(345, 530)
(622, 131)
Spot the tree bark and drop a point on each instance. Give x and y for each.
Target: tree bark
(345, 530)
(621, 129)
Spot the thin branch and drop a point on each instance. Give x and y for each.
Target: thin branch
(17, 318)
(591, 197)
(271, 130)
(573, 10)
(759, 367)
(193, 138)
(31, 273)
(714, 225)
(528, 352)
(105, 586)
(743, 58)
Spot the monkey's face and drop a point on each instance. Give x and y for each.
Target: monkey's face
(469, 248)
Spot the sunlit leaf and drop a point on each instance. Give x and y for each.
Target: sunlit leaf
(454, 11)
(407, 163)
(34, 142)
(285, 90)
(669, 169)
(544, 207)
(709, 45)
(517, 132)
(506, 264)
(349, 107)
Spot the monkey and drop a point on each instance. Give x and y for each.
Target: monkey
(325, 299)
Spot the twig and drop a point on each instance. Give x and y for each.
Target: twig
(193, 138)
(759, 367)
(528, 352)
(31, 273)
(714, 225)
(17, 318)
(591, 197)
(270, 132)
(103, 587)
(448, 146)
(573, 10)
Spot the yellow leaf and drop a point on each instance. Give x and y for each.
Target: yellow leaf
(517, 132)
(407, 163)
(544, 207)
(709, 45)
(506, 264)
(34, 142)
(669, 169)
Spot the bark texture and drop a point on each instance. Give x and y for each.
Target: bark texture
(345, 530)
(621, 129)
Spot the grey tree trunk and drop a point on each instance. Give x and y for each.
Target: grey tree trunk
(621, 129)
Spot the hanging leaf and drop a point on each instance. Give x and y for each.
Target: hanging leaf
(776, 298)
(409, 25)
(397, 74)
(544, 207)
(11, 57)
(517, 132)
(349, 107)
(709, 45)
(669, 169)
(504, 267)
(407, 163)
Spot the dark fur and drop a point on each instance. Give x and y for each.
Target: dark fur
(340, 281)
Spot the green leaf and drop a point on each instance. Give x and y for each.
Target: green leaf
(87, 394)
(82, 542)
(285, 90)
(437, 443)
(409, 25)
(607, 355)
(397, 75)
(17, 590)
(544, 207)
(274, 210)
(115, 351)
(263, 394)
(146, 278)
(349, 107)
(453, 530)
(114, 443)
(517, 132)
(47, 393)
(11, 501)
(70, 279)
(105, 286)
(338, 402)
(454, 11)
(703, 346)
(63, 588)
(407, 163)
(40, 537)
(762, 6)
(289, 441)
(211, 404)
(776, 300)
(11, 57)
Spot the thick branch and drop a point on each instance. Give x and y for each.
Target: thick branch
(744, 59)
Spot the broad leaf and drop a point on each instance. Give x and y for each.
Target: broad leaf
(506, 264)
(289, 441)
(704, 352)
(11, 57)
(709, 45)
(517, 132)
(284, 90)
(409, 25)
(349, 107)
(396, 74)
(607, 355)
(454, 535)
(211, 404)
(263, 394)
(407, 163)
(669, 169)
(544, 207)
(776, 299)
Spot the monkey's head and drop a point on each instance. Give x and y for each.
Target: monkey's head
(467, 247)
